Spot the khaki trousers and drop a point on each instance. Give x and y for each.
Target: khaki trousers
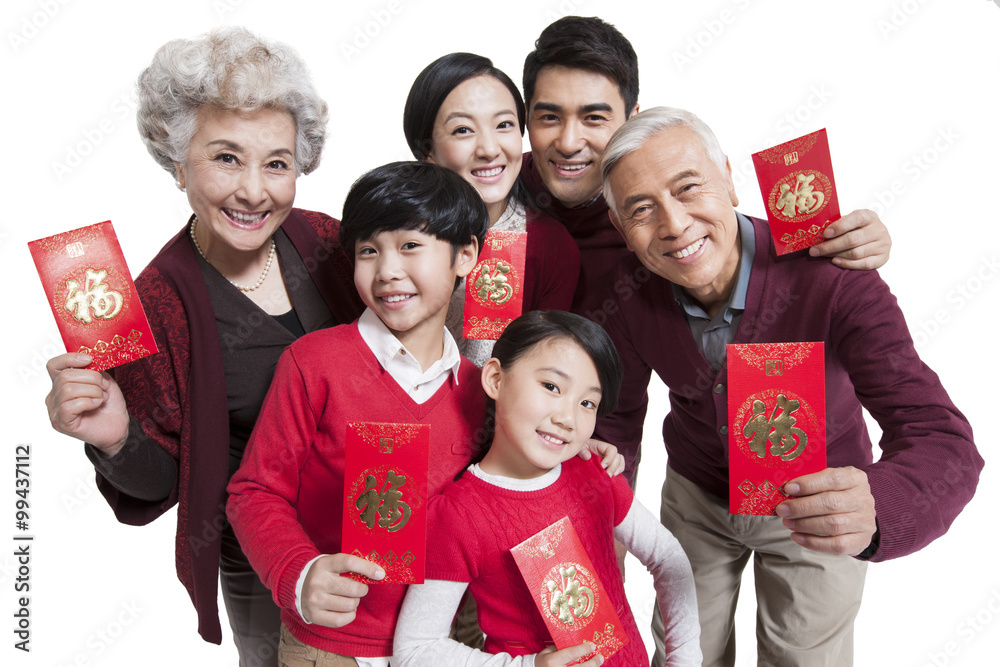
(293, 653)
(806, 601)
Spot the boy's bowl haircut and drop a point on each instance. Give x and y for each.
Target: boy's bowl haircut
(414, 195)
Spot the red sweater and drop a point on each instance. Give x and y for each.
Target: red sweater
(473, 525)
(286, 499)
(600, 244)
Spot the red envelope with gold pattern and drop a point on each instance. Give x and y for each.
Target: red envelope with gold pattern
(777, 421)
(796, 179)
(566, 589)
(494, 291)
(385, 503)
(92, 295)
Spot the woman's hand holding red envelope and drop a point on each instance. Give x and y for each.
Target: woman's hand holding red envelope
(86, 404)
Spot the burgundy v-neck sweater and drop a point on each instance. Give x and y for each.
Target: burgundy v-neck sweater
(929, 467)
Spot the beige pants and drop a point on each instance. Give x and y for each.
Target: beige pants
(806, 601)
(293, 653)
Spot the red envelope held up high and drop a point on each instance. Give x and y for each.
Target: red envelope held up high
(777, 421)
(92, 296)
(796, 180)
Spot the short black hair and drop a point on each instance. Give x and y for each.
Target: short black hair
(414, 195)
(537, 326)
(579, 42)
(433, 85)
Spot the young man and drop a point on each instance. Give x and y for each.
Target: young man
(581, 83)
(716, 280)
(415, 229)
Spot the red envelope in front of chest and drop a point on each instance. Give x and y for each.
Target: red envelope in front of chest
(494, 291)
(796, 180)
(92, 296)
(567, 592)
(777, 421)
(385, 498)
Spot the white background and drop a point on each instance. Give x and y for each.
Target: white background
(892, 81)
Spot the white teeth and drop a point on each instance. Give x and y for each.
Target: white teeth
(248, 218)
(571, 167)
(552, 439)
(396, 297)
(487, 173)
(690, 250)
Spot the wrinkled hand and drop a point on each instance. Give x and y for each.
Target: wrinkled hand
(550, 657)
(611, 460)
(85, 404)
(832, 511)
(330, 599)
(859, 240)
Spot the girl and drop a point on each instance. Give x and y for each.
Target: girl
(551, 376)
(466, 115)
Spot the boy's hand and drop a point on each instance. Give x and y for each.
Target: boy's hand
(858, 240)
(86, 404)
(611, 460)
(550, 657)
(330, 599)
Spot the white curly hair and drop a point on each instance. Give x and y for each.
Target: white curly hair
(229, 68)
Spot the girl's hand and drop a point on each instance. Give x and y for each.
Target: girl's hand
(550, 657)
(86, 404)
(611, 460)
(330, 599)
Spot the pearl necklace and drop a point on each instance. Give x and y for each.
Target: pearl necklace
(242, 288)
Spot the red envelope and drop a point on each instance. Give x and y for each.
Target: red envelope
(796, 179)
(385, 503)
(494, 291)
(777, 421)
(566, 589)
(92, 295)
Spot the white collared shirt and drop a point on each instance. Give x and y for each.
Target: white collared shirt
(418, 384)
(397, 361)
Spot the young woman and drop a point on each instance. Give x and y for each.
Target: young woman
(551, 375)
(466, 115)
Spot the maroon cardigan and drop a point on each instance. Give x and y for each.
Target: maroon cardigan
(929, 467)
(178, 396)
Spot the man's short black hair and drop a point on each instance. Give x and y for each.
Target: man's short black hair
(590, 44)
(414, 195)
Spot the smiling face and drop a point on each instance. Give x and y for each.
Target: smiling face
(476, 135)
(240, 177)
(674, 206)
(406, 277)
(546, 408)
(573, 114)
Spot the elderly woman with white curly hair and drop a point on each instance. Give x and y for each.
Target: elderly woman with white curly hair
(235, 120)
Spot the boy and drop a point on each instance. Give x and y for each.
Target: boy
(415, 230)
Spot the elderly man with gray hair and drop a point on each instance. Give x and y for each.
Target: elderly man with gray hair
(712, 278)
